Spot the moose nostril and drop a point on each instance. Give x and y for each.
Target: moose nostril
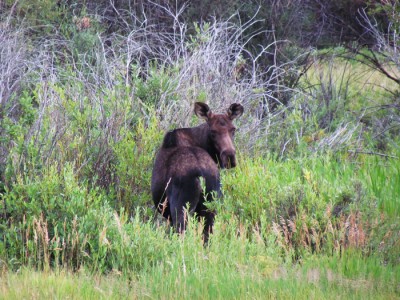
(228, 159)
(232, 161)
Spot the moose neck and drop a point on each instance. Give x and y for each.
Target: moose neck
(200, 138)
(191, 137)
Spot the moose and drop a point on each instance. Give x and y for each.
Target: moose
(186, 154)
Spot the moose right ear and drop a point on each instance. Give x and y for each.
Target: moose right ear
(235, 111)
(202, 110)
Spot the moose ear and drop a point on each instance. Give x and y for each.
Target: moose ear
(202, 110)
(235, 111)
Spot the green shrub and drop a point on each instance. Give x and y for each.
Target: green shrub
(134, 155)
(41, 15)
(158, 87)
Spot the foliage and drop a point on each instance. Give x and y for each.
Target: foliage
(134, 156)
(324, 206)
(232, 266)
(41, 15)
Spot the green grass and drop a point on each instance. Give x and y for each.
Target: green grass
(322, 227)
(245, 270)
(201, 275)
(31, 284)
(383, 180)
(353, 82)
(264, 185)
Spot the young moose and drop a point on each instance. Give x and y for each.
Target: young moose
(187, 154)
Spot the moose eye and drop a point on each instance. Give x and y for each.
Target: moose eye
(213, 133)
(222, 123)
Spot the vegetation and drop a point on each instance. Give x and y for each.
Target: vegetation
(86, 94)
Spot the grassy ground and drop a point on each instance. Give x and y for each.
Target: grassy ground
(350, 277)
(316, 228)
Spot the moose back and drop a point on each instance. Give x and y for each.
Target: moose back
(186, 154)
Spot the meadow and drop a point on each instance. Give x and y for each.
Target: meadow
(315, 228)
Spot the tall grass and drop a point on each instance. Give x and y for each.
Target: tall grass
(312, 183)
(231, 267)
(319, 205)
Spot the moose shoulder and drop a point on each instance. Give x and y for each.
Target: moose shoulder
(187, 154)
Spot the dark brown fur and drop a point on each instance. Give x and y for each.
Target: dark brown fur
(187, 154)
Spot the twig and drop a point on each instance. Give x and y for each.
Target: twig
(372, 153)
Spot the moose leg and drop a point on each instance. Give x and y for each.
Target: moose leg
(182, 193)
(176, 206)
(213, 190)
(208, 215)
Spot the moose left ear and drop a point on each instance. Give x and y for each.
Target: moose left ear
(202, 110)
(235, 111)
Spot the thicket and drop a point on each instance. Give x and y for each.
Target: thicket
(87, 91)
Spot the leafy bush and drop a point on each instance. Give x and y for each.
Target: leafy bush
(40, 15)
(314, 204)
(134, 161)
